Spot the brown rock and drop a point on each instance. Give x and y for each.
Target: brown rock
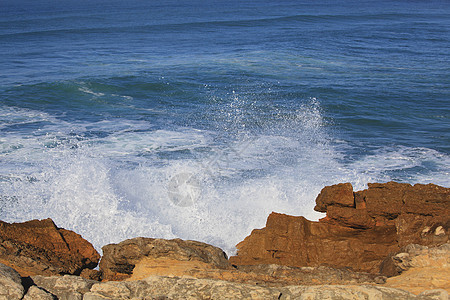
(39, 247)
(427, 200)
(338, 195)
(349, 217)
(384, 200)
(91, 274)
(421, 268)
(295, 241)
(139, 258)
(121, 261)
(360, 230)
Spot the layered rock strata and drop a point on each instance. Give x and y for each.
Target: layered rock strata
(390, 229)
(138, 258)
(359, 231)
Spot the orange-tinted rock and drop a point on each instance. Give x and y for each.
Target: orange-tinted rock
(346, 216)
(384, 200)
(139, 258)
(381, 220)
(427, 200)
(123, 260)
(338, 195)
(38, 247)
(295, 241)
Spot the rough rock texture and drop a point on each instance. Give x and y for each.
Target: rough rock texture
(162, 287)
(139, 258)
(133, 256)
(10, 284)
(36, 293)
(421, 267)
(188, 288)
(70, 287)
(67, 287)
(39, 247)
(267, 275)
(358, 232)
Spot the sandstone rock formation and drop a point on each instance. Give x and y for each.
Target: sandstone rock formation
(359, 231)
(142, 255)
(421, 268)
(39, 247)
(388, 229)
(138, 258)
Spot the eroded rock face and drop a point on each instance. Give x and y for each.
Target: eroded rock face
(139, 258)
(295, 241)
(141, 255)
(39, 247)
(421, 268)
(359, 231)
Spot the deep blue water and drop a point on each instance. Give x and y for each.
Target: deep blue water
(196, 119)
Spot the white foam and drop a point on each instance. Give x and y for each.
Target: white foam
(117, 186)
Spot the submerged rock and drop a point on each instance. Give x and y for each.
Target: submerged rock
(359, 231)
(39, 247)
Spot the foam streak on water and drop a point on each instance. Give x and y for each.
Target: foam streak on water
(119, 186)
(196, 120)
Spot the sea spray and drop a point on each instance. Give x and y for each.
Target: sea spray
(180, 119)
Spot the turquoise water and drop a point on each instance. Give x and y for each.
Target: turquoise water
(196, 120)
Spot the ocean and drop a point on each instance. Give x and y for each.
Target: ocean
(196, 119)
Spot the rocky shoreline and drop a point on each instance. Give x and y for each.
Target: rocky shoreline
(390, 241)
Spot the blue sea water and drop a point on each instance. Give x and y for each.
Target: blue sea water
(196, 119)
